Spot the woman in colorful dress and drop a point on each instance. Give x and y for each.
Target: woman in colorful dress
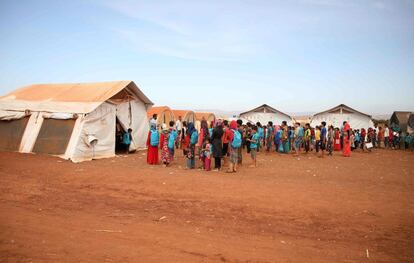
(347, 140)
(152, 145)
(337, 141)
(204, 134)
(165, 151)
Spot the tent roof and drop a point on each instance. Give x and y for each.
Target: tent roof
(67, 97)
(157, 110)
(206, 115)
(401, 118)
(181, 113)
(343, 106)
(410, 121)
(270, 109)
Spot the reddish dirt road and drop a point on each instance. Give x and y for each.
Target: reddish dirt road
(286, 210)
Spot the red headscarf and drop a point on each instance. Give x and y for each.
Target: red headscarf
(233, 125)
(347, 127)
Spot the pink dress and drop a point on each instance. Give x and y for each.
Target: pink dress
(165, 151)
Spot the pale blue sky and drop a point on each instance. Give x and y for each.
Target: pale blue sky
(298, 55)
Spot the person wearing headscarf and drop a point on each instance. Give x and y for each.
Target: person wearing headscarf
(152, 146)
(192, 137)
(204, 134)
(217, 142)
(239, 150)
(347, 143)
(165, 151)
(234, 157)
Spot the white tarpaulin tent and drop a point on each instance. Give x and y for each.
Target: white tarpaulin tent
(264, 114)
(74, 121)
(337, 115)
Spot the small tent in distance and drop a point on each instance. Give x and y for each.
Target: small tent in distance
(410, 124)
(337, 115)
(164, 115)
(399, 119)
(264, 114)
(77, 121)
(207, 116)
(186, 115)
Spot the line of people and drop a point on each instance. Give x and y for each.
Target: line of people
(223, 140)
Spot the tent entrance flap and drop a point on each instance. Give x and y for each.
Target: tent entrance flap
(119, 146)
(54, 136)
(11, 133)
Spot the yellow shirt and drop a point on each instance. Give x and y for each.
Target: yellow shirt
(317, 135)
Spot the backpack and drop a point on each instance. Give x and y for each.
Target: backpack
(171, 139)
(260, 132)
(194, 137)
(155, 138)
(237, 140)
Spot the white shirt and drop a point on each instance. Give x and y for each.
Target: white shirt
(387, 132)
(153, 121)
(178, 125)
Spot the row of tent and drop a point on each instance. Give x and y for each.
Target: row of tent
(334, 116)
(165, 115)
(400, 120)
(80, 121)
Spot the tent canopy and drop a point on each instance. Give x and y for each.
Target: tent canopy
(264, 114)
(79, 121)
(208, 116)
(342, 108)
(264, 109)
(186, 115)
(400, 118)
(337, 115)
(69, 97)
(164, 115)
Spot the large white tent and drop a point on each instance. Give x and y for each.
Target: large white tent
(264, 114)
(76, 121)
(337, 115)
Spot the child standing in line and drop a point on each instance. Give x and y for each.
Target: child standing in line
(331, 138)
(323, 138)
(192, 136)
(126, 139)
(317, 139)
(278, 138)
(298, 138)
(269, 136)
(307, 137)
(153, 140)
(172, 140)
(253, 145)
(165, 150)
(260, 132)
(207, 154)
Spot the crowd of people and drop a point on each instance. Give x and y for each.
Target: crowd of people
(225, 141)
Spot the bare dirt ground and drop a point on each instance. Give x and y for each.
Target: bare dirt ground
(336, 209)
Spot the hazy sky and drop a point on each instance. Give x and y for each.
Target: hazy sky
(298, 55)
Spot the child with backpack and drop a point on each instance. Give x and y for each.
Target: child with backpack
(152, 145)
(165, 151)
(234, 144)
(253, 145)
(172, 140)
(192, 135)
(126, 140)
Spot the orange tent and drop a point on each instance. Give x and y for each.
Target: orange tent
(165, 115)
(186, 115)
(208, 116)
